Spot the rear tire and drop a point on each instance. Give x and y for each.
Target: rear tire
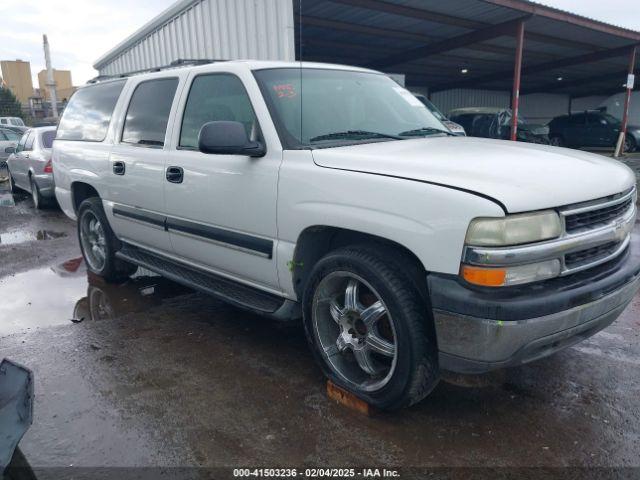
(99, 244)
(369, 328)
(38, 201)
(629, 144)
(556, 141)
(12, 185)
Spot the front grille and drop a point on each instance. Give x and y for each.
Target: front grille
(594, 218)
(590, 255)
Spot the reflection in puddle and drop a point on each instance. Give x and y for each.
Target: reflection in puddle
(11, 238)
(6, 200)
(55, 296)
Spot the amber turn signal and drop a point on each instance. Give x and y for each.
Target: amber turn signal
(486, 277)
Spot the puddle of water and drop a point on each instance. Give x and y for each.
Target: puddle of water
(66, 292)
(11, 238)
(6, 200)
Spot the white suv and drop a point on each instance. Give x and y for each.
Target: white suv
(331, 194)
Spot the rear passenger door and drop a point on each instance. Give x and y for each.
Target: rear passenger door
(137, 159)
(222, 213)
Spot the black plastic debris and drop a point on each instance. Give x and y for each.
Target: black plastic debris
(16, 408)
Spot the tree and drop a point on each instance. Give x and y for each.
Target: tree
(9, 104)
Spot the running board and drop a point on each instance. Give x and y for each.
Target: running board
(215, 285)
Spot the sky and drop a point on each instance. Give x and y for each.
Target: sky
(80, 31)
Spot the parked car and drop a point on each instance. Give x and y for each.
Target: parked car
(489, 122)
(591, 129)
(14, 128)
(453, 126)
(404, 249)
(30, 165)
(8, 140)
(12, 121)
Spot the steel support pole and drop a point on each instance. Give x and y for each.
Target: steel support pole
(627, 98)
(515, 95)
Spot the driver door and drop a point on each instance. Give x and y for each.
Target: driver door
(221, 211)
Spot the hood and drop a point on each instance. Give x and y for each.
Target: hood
(521, 176)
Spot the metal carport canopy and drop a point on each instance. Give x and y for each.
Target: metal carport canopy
(432, 42)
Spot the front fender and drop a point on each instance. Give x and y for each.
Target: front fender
(429, 220)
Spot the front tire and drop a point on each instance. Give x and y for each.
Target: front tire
(99, 244)
(369, 328)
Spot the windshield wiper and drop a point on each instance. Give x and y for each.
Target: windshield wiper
(424, 131)
(354, 134)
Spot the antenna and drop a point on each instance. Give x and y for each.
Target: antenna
(51, 83)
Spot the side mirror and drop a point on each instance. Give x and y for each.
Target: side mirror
(10, 150)
(228, 138)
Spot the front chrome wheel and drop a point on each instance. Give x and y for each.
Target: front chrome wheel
(355, 331)
(93, 241)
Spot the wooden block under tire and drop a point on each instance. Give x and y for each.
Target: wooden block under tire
(349, 400)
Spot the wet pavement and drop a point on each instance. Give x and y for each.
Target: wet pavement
(148, 373)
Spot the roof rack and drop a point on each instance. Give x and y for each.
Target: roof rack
(180, 62)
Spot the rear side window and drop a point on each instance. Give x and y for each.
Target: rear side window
(88, 114)
(216, 97)
(148, 112)
(47, 138)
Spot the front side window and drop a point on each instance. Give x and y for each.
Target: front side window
(320, 108)
(22, 141)
(17, 122)
(148, 112)
(216, 97)
(88, 113)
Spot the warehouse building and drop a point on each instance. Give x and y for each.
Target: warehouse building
(460, 53)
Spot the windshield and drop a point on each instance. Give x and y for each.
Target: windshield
(320, 108)
(432, 108)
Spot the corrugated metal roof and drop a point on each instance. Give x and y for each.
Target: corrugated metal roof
(362, 32)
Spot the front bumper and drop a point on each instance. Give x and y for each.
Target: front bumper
(479, 330)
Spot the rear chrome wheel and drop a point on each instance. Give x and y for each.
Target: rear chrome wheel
(99, 244)
(93, 240)
(355, 331)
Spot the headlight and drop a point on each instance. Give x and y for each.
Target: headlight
(514, 229)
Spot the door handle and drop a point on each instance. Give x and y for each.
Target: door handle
(119, 168)
(175, 174)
